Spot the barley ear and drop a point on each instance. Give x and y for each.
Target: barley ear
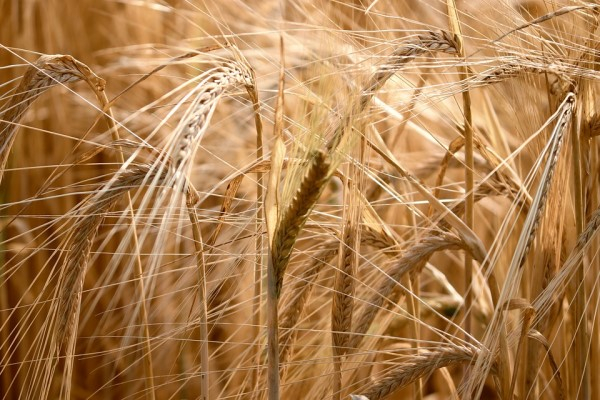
(419, 366)
(295, 215)
(46, 72)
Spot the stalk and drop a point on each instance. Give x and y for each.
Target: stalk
(469, 163)
(580, 320)
(201, 270)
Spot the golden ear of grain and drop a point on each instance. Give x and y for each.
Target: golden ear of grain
(431, 41)
(558, 284)
(45, 72)
(415, 257)
(294, 216)
(342, 305)
(50, 70)
(380, 240)
(194, 124)
(419, 366)
(546, 17)
(533, 218)
(524, 66)
(84, 231)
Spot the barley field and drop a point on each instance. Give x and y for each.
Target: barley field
(299, 199)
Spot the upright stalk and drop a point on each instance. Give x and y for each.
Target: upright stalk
(272, 219)
(469, 163)
(272, 332)
(258, 261)
(580, 321)
(201, 270)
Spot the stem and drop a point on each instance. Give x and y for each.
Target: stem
(271, 219)
(581, 336)
(204, 356)
(414, 310)
(464, 73)
(521, 352)
(470, 199)
(5, 383)
(260, 217)
(272, 332)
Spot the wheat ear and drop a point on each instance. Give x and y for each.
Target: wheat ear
(294, 216)
(343, 288)
(408, 50)
(342, 305)
(206, 95)
(523, 66)
(546, 17)
(414, 258)
(543, 303)
(419, 366)
(91, 216)
(45, 72)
